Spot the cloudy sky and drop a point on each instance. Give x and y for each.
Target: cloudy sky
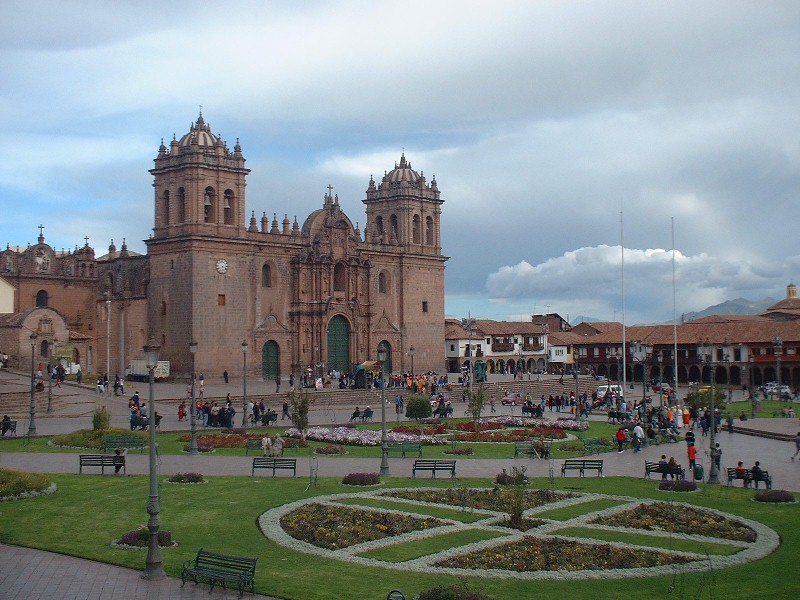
(556, 131)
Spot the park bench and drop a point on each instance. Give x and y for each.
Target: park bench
(143, 423)
(672, 470)
(581, 465)
(367, 415)
(747, 478)
(618, 416)
(403, 447)
(112, 442)
(219, 569)
(266, 462)
(100, 460)
(9, 426)
(253, 444)
(443, 412)
(268, 417)
(433, 466)
(534, 410)
(530, 449)
(593, 446)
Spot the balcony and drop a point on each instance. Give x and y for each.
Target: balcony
(532, 347)
(502, 347)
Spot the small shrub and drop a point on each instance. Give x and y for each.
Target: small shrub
(459, 451)
(681, 485)
(295, 443)
(330, 449)
(362, 479)
(141, 537)
(774, 496)
(92, 438)
(101, 419)
(517, 476)
(187, 478)
(452, 592)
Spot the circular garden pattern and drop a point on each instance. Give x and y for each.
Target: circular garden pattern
(466, 531)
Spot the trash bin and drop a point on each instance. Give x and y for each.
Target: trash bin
(698, 472)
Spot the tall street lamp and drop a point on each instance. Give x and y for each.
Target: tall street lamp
(660, 359)
(108, 335)
(32, 421)
(777, 344)
(193, 408)
(707, 352)
(411, 354)
(50, 368)
(470, 325)
(383, 356)
(153, 566)
(244, 383)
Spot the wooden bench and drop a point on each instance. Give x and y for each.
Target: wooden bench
(593, 446)
(112, 442)
(220, 568)
(615, 416)
(100, 460)
(530, 449)
(433, 466)
(403, 447)
(654, 467)
(581, 465)
(267, 418)
(444, 412)
(9, 426)
(747, 478)
(266, 462)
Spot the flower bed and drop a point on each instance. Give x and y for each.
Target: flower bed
(19, 484)
(220, 440)
(494, 499)
(482, 426)
(361, 479)
(187, 478)
(458, 451)
(660, 516)
(774, 496)
(565, 424)
(680, 485)
(557, 554)
(513, 435)
(434, 430)
(354, 437)
(335, 527)
(333, 449)
(140, 538)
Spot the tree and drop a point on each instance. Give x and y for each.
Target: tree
(300, 403)
(475, 403)
(418, 407)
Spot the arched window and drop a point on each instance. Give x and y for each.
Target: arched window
(208, 206)
(228, 207)
(395, 230)
(44, 349)
(382, 282)
(41, 299)
(379, 225)
(163, 309)
(165, 207)
(416, 226)
(429, 231)
(266, 276)
(181, 205)
(339, 278)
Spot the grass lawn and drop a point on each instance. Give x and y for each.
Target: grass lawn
(675, 542)
(415, 549)
(88, 512)
(431, 511)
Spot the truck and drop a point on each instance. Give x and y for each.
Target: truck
(137, 370)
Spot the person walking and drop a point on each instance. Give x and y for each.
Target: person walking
(797, 445)
(285, 412)
(691, 452)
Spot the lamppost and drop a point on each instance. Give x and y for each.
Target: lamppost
(660, 359)
(32, 422)
(193, 451)
(383, 356)
(153, 566)
(108, 335)
(50, 378)
(777, 344)
(470, 325)
(411, 354)
(707, 352)
(244, 383)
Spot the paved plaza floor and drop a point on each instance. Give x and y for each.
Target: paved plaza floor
(28, 573)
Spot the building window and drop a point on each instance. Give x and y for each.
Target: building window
(424, 306)
(163, 309)
(228, 207)
(266, 276)
(452, 347)
(429, 231)
(181, 205)
(339, 278)
(166, 207)
(208, 205)
(41, 299)
(379, 225)
(382, 283)
(221, 300)
(415, 230)
(395, 229)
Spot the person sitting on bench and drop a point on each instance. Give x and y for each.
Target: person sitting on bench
(356, 414)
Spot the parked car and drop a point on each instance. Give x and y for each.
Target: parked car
(513, 400)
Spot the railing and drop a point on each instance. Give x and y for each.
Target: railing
(502, 347)
(532, 347)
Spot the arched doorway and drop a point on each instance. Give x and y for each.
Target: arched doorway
(338, 344)
(270, 361)
(385, 346)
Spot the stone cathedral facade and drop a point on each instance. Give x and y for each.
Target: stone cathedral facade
(305, 298)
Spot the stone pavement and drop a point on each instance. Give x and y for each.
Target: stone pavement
(30, 573)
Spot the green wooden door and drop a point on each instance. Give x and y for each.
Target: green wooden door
(270, 365)
(338, 344)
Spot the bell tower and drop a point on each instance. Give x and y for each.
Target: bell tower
(199, 185)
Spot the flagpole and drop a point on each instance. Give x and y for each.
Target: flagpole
(674, 321)
(622, 280)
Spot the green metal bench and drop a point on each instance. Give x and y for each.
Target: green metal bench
(265, 462)
(581, 465)
(219, 569)
(112, 442)
(100, 460)
(433, 466)
(403, 447)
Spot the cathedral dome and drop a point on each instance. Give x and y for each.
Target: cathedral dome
(199, 133)
(402, 172)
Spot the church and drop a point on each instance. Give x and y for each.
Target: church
(277, 296)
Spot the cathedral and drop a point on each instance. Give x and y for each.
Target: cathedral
(279, 297)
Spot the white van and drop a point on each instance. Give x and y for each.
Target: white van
(616, 390)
